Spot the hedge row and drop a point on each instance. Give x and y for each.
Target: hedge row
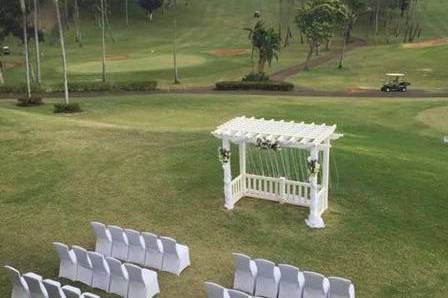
(264, 85)
(84, 87)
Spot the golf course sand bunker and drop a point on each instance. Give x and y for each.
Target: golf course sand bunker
(228, 52)
(436, 118)
(158, 62)
(426, 44)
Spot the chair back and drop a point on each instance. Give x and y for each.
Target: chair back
(54, 289)
(341, 287)
(314, 285)
(15, 277)
(237, 294)
(241, 262)
(150, 241)
(265, 268)
(63, 252)
(118, 235)
(289, 273)
(99, 264)
(82, 256)
(100, 230)
(35, 285)
(134, 238)
(135, 272)
(116, 268)
(169, 245)
(214, 290)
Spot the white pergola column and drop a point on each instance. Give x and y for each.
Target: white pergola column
(228, 197)
(242, 155)
(326, 169)
(314, 219)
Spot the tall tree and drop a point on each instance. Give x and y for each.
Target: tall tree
(103, 37)
(150, 6)
(25, 44)
(36, 39)
(317, 19)
(176, 72)
(77, 21)
(267, 43)
(126, 9)
(63, 55)
(356, 8)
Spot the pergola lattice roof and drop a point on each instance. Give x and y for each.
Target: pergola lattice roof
(287, 134)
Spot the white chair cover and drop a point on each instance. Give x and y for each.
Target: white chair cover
(67, 261)
(238, 294)
(103, 238)
(54, 289)
(84, 271)
(119, 278)
(154, 251)
(136, 252)
(215, 291)
(341, 288)
(316, 285)
(71, 292)
(37, 289)
(19, 286)
(176, 257)
(89, 295)
(142, 282)
(291, 282)
(101, 271)
(267, 280)
(245, 273)
(120, 243)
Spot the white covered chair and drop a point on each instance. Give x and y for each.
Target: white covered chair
(37, 289)
(154, 251)
(142, 282)
(84, 272)
(103, 238)
(291, 282)
(215, 291)
(54, 289)
(120, 243)
(119, 278)
(19, 286)
(71, 292)
(89, 295)
(267, 280)
(67, 261)
(245, 273)
(176, 257)
(136, 251)
(238, 294)
(101, 271)
(316, 285)
(341, 288)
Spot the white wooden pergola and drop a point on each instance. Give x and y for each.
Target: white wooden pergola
(278, 134)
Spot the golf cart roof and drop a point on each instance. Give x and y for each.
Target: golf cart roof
(395, 74)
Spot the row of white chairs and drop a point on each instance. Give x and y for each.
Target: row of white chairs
(262, 277)
(31, 285)
(145, 249)
(106, 273)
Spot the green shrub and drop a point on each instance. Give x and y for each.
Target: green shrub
(34, 100)
(255, 77)
(136, 86)
(266, 85)
(67, 108)
(21, 88)
(87, 87)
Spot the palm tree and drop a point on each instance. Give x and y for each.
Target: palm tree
(266, 42)
(64, 58)
(25, 43)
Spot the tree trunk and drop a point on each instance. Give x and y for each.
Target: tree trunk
(377, 13)
(64, 58)
(127, 12)
(176, 73)
(344, 45)
(2, 80)
(310, 54)
(261, 64)
(66, 12)
(103, 39)
(36, 38)
(78, 37)
(25, 43)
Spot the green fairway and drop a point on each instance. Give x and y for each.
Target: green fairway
(366, 68)
(150, 163)
(204, 26)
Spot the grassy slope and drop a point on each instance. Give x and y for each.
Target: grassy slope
(151, 164)
(366, 67)
(204, 25)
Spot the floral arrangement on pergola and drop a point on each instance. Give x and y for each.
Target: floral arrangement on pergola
(271, 135)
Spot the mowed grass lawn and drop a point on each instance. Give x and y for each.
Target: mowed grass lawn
(150, 163)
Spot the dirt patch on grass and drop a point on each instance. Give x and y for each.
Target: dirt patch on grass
(229, 52)
(436, 118)
(10, 65)
(426, 44)
(357, 90)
